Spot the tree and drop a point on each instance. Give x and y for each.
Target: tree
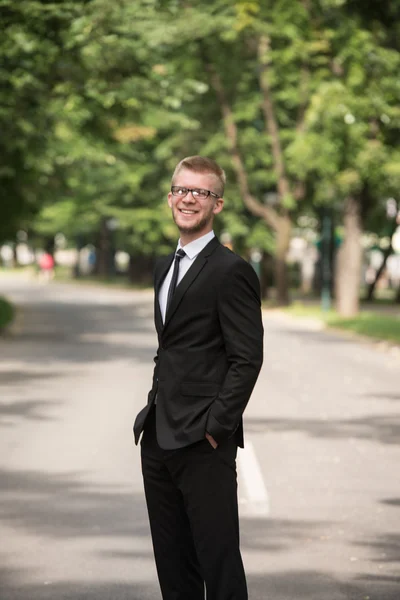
(348, 143)
(33, 65)
(119, 132)
(275, 91)
(383, 222)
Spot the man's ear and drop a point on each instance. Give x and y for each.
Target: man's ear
(218, 206)
(170, 199)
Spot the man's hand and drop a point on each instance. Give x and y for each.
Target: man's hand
(210, 438)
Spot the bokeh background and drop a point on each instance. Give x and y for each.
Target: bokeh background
(298, 101)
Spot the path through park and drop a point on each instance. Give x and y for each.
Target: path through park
(319, 481)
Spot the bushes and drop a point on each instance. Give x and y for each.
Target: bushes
(6, 313)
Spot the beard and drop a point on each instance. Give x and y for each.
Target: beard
(199, 226)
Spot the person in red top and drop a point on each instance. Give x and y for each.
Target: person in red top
(46, 266)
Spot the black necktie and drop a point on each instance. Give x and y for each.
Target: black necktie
(180, 254)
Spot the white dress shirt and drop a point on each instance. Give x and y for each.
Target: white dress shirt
(192, 250)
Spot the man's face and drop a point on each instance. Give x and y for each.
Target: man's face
(194, 216)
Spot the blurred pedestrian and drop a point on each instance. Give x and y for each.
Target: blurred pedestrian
(46, 266)
(91, 260)
(210, 334)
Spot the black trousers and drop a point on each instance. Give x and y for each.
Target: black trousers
(191, 496)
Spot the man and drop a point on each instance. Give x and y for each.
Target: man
(208, 320)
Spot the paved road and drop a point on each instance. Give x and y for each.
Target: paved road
(319, 483)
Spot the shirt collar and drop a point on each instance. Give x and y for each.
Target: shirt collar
(194, 248)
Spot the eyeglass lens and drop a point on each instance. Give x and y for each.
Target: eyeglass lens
(197, 193)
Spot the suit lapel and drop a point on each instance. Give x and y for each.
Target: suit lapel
(199, 263)
(160, 276)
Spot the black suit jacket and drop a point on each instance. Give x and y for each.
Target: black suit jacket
(210, 350)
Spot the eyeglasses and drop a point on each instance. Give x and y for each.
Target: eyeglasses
(197, 193)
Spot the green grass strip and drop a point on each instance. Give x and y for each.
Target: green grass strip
(377, 325)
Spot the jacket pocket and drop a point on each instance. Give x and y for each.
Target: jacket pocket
(199, 389)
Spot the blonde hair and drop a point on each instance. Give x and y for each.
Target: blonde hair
(202, 164)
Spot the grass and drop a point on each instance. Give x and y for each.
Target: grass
(373, 324)
(6, 313)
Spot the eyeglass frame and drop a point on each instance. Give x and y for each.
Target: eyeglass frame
(209, 193)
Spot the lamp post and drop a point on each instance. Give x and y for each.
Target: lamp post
(326, 263)
(255, 261)
(112, 226)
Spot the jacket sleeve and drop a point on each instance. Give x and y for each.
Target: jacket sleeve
(239, 311)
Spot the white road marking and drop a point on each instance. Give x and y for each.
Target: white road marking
(253, 495)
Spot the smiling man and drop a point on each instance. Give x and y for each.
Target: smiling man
(210, 334)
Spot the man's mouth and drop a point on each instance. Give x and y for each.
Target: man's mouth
(187, 212)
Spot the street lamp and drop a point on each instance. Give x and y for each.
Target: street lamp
(112, 225)
(255, 261)
(326, 263)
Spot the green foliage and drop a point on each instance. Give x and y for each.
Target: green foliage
(6, 313)
(33, 64)
(100, 100)
(352, 120)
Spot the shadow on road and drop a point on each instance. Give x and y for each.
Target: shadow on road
(378, 428)
(313, 585)
(63, 332)
(386, 547)
(383, 396)
(32, 410)
(73, 590)
(20, 377)
(299, 585)
(52, 505)
(69, 506)
(278, 535)
(392, 501)
(17, 381)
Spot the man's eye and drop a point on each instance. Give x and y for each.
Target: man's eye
(181, 191)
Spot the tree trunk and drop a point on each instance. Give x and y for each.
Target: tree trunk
(397, 299)
(76, 270)
(281, 271)
(386, 254)
(307, 270)
(267, 277)
(372, 286)
(14, 259)
(140, 270)
(349, 261)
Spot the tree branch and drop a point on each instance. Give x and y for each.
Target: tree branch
(270, 118)
(258, 209)
(303, 95)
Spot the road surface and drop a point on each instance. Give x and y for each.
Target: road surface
(319, 481)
